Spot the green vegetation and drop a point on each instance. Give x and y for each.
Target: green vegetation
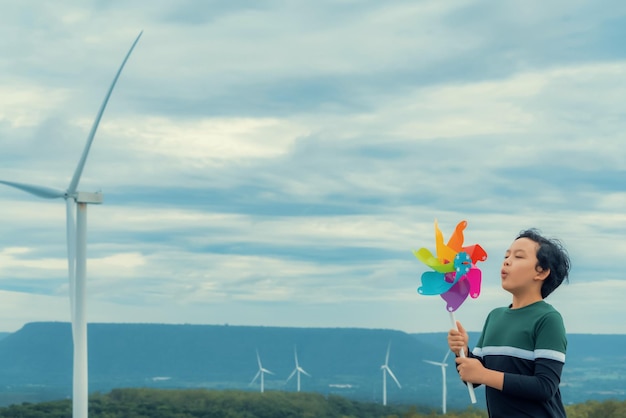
(159, 403)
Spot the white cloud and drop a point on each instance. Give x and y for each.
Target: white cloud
(195, 145)
(10, 258)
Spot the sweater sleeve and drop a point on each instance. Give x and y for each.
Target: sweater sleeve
(539, 387)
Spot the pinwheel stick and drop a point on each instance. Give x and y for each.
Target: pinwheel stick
(470, 387)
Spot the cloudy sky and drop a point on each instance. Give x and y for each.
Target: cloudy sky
(276, 162)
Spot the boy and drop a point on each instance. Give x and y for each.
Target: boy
(521, 351)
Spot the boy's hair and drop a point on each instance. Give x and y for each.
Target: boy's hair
(552, 255)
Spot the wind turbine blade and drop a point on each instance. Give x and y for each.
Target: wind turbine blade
(303, 371)
(40, 191)
(394, 377)
(256, 376)
(81, 163)
(435, 363)
(387, 357)
(292, 374)
(258, 359)
(296, 356)
(71, 258)
(446, 357)
(266, 371)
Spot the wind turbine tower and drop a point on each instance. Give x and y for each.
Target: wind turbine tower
(297, 370)
(77, 253)
(260, 373)
(443, 366)
(385, 368)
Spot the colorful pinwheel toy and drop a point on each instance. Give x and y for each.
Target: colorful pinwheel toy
(455, 274)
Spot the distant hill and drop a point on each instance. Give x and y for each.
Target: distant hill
(36, 361)
(340, 360)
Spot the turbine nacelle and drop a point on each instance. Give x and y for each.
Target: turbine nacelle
(87, 197)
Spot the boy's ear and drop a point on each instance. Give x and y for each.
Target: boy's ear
(542, 274)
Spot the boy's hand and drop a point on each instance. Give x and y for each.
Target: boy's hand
(470, 369)
(458, 340)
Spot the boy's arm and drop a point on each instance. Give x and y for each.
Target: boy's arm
(544, 383)
(540, 387)
(492, 378)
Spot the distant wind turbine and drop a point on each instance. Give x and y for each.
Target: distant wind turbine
(385, 368)
(297, 370)
(77, 253)
(260, 373)
(443, 366)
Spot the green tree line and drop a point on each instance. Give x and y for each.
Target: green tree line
(196, 403)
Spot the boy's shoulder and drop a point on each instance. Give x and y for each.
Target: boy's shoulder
(538, 308)
(545, 308)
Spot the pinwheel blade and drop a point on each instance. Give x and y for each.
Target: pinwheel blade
(39, 191)
(81, 163)
(474, 277)
(455, 242)
(476, 253)
(426, 257)
(456, 295)
(444, 253)
(434, 283)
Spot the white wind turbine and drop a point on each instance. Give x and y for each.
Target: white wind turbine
(385, 368)
(260, 373)
(297, 370)
(443, 366)
(76, 254)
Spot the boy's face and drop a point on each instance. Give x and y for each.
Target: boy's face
(519, 272)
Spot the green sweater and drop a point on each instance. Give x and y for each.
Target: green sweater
(528, 345)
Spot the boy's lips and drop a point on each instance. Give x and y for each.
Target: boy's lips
(503, 274)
